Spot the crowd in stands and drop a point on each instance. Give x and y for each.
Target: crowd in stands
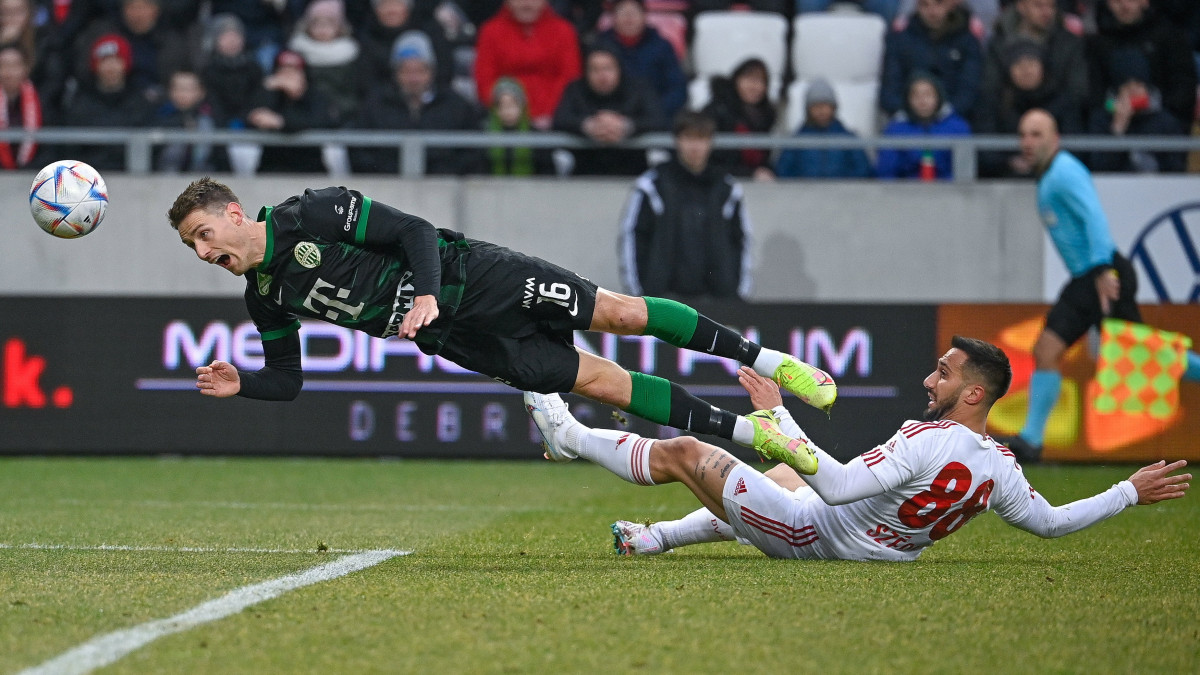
(605, 70)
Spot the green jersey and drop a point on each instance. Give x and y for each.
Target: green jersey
(334, 255)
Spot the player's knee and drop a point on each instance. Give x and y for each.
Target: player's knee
(785, 476)
(619, 314)
(604, 381)
(675, 455)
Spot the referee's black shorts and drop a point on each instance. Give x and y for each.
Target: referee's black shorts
(517, 318)
(1078, 305)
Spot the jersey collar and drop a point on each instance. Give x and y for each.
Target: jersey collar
(264, 214)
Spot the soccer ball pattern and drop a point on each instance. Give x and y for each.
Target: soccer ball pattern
(68, 199)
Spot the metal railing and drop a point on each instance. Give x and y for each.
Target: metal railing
(411, 145)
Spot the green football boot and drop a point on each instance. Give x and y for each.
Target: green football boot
(772, 444)
(809, 383)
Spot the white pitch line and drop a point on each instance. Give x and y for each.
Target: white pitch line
(296, 506)
(34, 546)
(105, 649)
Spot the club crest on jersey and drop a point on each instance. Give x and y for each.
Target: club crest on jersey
(307, 254)
(264, 283)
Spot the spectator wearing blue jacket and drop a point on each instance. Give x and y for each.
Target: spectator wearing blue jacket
(927, 113)
(647, 55)
(937, 40)
(820, 119)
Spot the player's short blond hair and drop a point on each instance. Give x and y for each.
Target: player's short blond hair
(204, 194)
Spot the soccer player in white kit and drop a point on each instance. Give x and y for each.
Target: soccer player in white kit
(889, 503)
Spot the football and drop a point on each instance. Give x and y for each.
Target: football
(68, 199)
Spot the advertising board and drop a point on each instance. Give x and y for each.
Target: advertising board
(116, 375)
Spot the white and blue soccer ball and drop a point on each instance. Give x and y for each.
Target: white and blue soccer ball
(68, 198)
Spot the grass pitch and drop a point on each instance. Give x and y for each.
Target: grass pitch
(512, 571)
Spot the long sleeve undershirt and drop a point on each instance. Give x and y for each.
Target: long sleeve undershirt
(282, 376)
(838, 483)
(1048, 521)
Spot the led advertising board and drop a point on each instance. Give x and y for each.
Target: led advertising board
(116, 375)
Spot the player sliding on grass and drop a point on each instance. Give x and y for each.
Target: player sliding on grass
(890, 503)
(337, 256)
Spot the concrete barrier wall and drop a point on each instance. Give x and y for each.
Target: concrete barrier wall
(813, 241)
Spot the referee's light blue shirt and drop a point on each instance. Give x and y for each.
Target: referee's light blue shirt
(1070, 209)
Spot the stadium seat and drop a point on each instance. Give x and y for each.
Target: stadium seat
(723, 40)
(847, 47)
(857, 106)
(699, 93)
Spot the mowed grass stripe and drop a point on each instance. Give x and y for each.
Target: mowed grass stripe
(106, 649)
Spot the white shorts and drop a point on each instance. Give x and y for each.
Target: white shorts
(774, 520)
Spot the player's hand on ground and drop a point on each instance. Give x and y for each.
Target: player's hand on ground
(1108, 287)
(1155, 483)
(764, 392)
(423, 312)
(218, 379)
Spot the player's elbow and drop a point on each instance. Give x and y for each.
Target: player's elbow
(1046, 530)
(292, 383)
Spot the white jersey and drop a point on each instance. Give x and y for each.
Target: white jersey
(936, 476)
(933, 477)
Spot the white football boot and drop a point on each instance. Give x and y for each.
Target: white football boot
(549, 413)
(634, 539)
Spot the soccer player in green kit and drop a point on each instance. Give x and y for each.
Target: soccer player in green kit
(334, 254)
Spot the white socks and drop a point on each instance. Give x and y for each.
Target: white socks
(743, 432)
(697, 527)
(625, 454)
(766, 363)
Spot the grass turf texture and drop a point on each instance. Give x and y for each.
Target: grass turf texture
(513, 571)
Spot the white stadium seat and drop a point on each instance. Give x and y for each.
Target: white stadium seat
(699, 93)
(723, 40)
(838, 46)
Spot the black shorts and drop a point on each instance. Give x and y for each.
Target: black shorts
(517, 318)
(1078, 305)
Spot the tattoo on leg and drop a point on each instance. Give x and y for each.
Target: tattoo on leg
(728, 466)
(711, 460)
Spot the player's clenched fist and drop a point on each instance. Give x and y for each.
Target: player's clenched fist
(218, 379)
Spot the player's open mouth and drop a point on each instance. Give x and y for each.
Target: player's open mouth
(222, 260)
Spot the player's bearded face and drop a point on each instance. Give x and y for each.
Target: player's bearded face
(942, 402)
(945, 386)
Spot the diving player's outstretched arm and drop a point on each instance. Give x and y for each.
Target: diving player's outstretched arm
(279, 380)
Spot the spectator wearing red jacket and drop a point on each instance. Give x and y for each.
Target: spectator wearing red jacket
(526, 40)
